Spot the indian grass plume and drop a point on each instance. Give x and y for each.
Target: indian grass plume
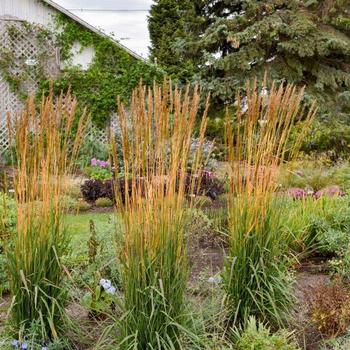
(47, 139)
(255, 275)
(156, 136)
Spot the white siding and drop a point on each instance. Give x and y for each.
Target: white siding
(82, 57)
(35, 11)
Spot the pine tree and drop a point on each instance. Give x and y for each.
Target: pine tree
(166, 22)
(306, 42)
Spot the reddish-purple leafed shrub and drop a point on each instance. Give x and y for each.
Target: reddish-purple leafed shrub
(92, 190)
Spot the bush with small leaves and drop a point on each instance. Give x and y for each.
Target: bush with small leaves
(82, 206)
(103, 202)
(257, 336)
(329, 309)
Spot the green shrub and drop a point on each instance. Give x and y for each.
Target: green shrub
(322, 225)
(257, 336)
(99, 170)
(68, 202)
(82, 206)
(73, 191)
(333, 225)
(332, 138)
(7, 215)
(315, 175)
(103, 202)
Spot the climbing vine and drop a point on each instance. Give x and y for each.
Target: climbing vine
(15, 67)
(112, 73)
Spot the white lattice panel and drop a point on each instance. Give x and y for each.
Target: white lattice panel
(20, 41)
(97, 134)
(102, 134)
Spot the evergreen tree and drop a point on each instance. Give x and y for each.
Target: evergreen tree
(306, 42)
(166, 22)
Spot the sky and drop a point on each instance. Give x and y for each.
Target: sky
(126, 19)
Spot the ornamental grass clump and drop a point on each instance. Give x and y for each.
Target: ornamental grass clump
(156, 138)
(255, 276)
(47, 140)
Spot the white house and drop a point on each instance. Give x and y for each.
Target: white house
(22, 49)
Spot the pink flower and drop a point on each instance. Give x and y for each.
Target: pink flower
(93, 162)
(102, 163)
(209, 174)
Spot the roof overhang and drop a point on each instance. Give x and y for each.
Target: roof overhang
(92, 28)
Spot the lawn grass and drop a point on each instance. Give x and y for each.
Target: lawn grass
(78, 226)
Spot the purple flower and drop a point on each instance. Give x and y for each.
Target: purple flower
(296, 193)
(24, 346)
(15, 343)
(102, 163)
(106, 284)
(111, 290)
(331, 191)
(93, 162)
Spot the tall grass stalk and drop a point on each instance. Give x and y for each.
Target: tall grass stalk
(156, 137)
(46, 143)
(255, 274)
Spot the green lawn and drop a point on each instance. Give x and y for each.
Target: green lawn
(79, 230)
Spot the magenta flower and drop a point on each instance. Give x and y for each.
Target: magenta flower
(102, 163)
(94, 162)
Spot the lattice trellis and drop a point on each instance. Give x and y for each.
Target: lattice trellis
(20, 41)
(102, 134)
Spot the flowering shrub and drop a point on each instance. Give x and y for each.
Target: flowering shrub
(331, 191)
(28, 343)
(16, 344)
(100, 170)
(100, 299)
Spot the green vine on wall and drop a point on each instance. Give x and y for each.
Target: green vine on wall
(14, 67)
(113, 72)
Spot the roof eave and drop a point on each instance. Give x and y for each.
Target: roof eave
(92, 28)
